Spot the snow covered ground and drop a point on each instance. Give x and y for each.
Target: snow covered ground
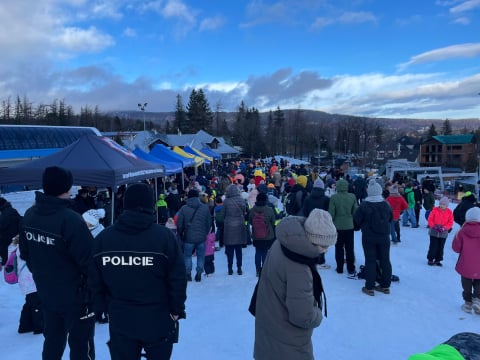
(422, 310)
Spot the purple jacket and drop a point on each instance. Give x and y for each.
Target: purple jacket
(467, 243)
(210, 244)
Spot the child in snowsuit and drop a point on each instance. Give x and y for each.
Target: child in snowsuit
(209, 265)
(440, 222)
(467, 243)
(31, 317)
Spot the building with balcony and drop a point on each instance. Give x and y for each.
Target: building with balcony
(450, 151)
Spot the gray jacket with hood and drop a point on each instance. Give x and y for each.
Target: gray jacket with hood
(286, 311)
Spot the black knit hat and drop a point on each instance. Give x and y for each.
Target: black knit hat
(138, 197)
(262, 198)
(192, 193)
(56, 181)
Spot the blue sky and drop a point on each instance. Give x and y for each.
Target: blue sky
(409, 58)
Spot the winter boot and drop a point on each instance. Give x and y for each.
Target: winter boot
(189, 277)
(467, 307)
(476, 305)
(239, 270)
(369, 292)
(230, 270)
(382, 289)
(198, 276)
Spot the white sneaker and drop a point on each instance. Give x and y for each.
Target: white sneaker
(476, 305)
(324, 266)
(467, 307)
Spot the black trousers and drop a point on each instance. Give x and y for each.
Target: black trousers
(377, 249)
(209, 265)
(471, 289)
(344, 250)
(125, 348)
(230, 250)
(435, 250)
(63, 326)
(31, 317)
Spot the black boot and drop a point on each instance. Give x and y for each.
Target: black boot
(198, 277)
(230, 270)
(239, 270)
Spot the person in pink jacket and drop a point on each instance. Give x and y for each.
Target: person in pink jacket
(467, 243)
(440, 223)
(31, 316)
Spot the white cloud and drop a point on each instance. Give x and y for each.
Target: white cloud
(462, 20)
(106, 9)
(129, 32)
(177, 9)
(83, 40)
(465, 6)
(345, 18)
(357, 17)
(449, 52)
(212, 23)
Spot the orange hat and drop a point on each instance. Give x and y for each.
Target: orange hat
(271, 186)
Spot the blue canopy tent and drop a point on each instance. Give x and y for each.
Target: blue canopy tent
(192, 151)
(161, 151)
(170, 167)
(210, 152)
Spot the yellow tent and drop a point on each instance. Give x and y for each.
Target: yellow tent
(201, 154)
(198, 160)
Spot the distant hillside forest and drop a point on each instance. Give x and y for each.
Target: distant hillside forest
(292, 132)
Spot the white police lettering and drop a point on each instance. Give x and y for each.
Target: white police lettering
(127, 260)
(40, 238)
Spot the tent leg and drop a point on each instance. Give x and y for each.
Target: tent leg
(113, 207)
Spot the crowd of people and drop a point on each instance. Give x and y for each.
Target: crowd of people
(142, 263)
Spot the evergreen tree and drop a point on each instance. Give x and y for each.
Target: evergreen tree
(240, 132)
(279, 124)
(180, 124)
(432, 131)
(447, 127)
(270, 133)
(198, 112)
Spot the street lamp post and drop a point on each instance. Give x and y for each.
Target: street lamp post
(142, 109)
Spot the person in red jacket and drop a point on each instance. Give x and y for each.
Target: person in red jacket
(467, 243)
(398, 204)
(440, 223)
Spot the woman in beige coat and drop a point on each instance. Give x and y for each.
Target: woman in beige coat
(288, 300)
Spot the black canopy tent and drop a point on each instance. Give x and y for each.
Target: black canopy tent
(93, 160)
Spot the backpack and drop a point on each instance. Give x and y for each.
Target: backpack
(378, 221)
(259, 225)
(10, 272)
(291, 205)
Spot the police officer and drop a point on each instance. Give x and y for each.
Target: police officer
(138, 267)
(57, 247)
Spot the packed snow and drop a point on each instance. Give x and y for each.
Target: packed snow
(422, 310)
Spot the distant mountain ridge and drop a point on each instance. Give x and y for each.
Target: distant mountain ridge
(402, 125)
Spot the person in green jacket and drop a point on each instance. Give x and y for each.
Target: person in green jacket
(342, 206)
(462, 346)
(162, 209)
(409, 214)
